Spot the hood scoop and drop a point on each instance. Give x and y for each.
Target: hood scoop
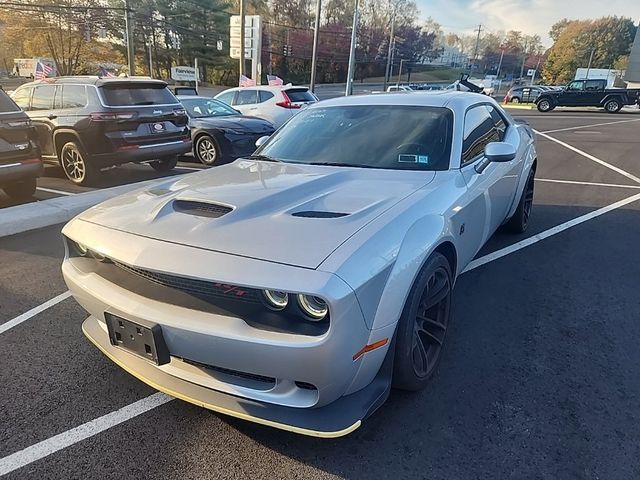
(201, 209)
(312, 214)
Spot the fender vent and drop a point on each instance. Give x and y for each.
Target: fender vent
(312, 214)
(201, 209)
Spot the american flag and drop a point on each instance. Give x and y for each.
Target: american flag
(42, 71)
(274, 80)
(246, 81)
(106, 73)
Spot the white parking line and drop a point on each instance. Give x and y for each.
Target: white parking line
(51, 190)
(590, 184)
(82, 432)
(190, 168)
(548, 233)
(591, 125)
(34, 311)
(590, 157)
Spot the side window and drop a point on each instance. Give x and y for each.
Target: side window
(499, 123)
(21, 97)
(593, 85)
(576, 86)
(247, 97)
(74, 96)
(479, 130)
(264, 95)
(226, 97)
(43, 97)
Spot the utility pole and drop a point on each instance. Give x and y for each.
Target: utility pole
(242, 65)
(387, 74)
(150, 60)
(475, 53)
(590, 60)
(352, 51)
(500, 63)
(314, 55)
(400, 72)
(524, 58)
(128, 25)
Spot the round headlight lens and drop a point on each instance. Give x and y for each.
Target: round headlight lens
(276, 299)
(314, 307)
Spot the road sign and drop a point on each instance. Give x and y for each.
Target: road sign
(183, 74)
(235, 32)
(531, 72)
(234, 42)
(252, 41)
(235, 53)
(219, 44)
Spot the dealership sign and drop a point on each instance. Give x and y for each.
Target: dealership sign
(183, 74)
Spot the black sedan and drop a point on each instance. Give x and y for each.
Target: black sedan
(221, 134)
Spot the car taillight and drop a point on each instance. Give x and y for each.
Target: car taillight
(107, 116)
(287, 102)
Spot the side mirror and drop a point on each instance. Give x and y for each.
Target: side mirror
(498, 152)
(261, 141)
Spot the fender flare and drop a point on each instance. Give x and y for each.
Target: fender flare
(617, 96)
(66, 131)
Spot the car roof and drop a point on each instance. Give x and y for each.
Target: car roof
(276, 88)
(196, 97)
(437, 98)
(95, 80)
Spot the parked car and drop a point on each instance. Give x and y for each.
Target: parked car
(88, 123)
(221, 134)
(294, 287)
(20, 162)
(274, 103)
(399, 88)
(588, 93)
(525, 94)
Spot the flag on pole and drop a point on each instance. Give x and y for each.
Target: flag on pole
(42, 71)
(246, 81)
(274, 80)
(106, 73)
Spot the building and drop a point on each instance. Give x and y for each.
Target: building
(632, 75)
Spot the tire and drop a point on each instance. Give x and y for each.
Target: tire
(515, 100)
(206, 150)
(545, 105)
(421, 331)
(22, 190)
(73, 160)
(164, 164)
(519, 222)
(613, 106)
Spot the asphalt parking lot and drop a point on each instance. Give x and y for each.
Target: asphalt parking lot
(540, 377)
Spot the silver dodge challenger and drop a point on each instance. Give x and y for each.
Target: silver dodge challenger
(296, 286)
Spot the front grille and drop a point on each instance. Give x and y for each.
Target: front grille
(226, 371)
(202, 209)
(311, 214)
(203, 289)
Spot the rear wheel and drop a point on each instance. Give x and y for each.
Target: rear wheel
(613, 106)
(423, 325)
(22, 190)
(206, 150)
(73, 160)
(515, 100)
(520, 220)
(545, 105)
(164, 164)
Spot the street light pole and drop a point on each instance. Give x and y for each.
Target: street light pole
(128, 25)
(352, 51)
(242, 65)
(314, 55)
(400, 72)
(590, 60)
(500, 63)
(387, 75)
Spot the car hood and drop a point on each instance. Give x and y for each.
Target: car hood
(279, 212)
(238, 123)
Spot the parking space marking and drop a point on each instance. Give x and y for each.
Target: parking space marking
(590, 157)
(190, 168)
(548, 233)
(590, 184)
(70, 437)
(51, 190)
(34, 311)
(591, 125)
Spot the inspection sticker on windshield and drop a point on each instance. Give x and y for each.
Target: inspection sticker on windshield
(406, 158)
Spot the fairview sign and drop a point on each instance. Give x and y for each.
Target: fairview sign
(183, 74)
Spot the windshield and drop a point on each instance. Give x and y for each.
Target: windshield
(372, 136)
(207, 107)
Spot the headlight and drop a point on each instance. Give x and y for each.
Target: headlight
(276, 299)
(312, 306)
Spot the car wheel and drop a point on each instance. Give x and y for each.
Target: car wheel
(515, 100)
(206, 150)
(520, 220)
(545, 105)
(73, 160)
(423, 325)
(164, 164)
(22, 190)
(613, 106)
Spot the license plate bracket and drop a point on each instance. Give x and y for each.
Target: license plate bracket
(158, 127)
(144, 341)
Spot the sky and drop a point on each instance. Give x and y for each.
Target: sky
(528, 16)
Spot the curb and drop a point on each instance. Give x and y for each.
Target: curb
(518, 107)
(45, 213)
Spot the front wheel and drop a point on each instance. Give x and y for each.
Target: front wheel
(515, 100)
(206, 150)
(164, 164)
(613, 106)
(423, 325)
(520, 220)
(22, 190)
(545, 105)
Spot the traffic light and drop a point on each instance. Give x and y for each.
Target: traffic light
(286, 50)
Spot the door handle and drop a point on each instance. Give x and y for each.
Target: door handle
(51, 116)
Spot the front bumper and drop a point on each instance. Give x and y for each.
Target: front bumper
(334, 420)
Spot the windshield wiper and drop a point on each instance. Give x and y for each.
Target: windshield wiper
(265, 158)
